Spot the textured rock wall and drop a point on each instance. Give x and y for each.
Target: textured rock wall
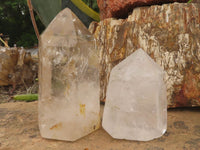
(121, 8)
(170, 34)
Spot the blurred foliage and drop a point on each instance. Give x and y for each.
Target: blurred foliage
(15, 21)
(92, 4)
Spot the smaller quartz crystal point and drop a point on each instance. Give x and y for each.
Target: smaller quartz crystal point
(136, 105)
(69, 80)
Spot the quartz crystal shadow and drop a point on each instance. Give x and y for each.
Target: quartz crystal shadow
(136, 105)
(69, 80)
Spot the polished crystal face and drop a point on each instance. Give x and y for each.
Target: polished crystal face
(69, 80)
(136, 105)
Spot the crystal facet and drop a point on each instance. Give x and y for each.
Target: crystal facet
(136, 105)
(69, 80)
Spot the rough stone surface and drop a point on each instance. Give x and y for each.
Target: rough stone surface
(69, 80)
(169, 34)
(19, 131)
(17, 66)
(136, 105)
(121, 8)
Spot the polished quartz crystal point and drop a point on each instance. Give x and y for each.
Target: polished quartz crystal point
(69, 80)
(136, 105)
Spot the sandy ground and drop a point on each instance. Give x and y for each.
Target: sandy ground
(19, 131)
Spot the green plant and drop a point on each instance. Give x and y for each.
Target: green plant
(15, 22)
(92, 4)
(26, 97)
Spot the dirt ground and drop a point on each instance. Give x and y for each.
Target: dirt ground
(19, 131)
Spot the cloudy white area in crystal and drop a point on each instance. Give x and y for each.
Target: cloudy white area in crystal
(136, 105)
(69, 80)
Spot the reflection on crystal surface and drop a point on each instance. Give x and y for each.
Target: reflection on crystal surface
(69, 80)
(136, 105)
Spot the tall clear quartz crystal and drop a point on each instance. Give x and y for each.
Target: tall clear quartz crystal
(69, 80)
(136, 105)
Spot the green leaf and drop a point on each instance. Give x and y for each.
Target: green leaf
(84, 8)
(26, 97)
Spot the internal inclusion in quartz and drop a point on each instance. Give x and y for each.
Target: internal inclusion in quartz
(68, 79)
(136, 105)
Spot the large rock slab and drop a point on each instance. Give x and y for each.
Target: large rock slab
(121, 8)
(169, 34)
